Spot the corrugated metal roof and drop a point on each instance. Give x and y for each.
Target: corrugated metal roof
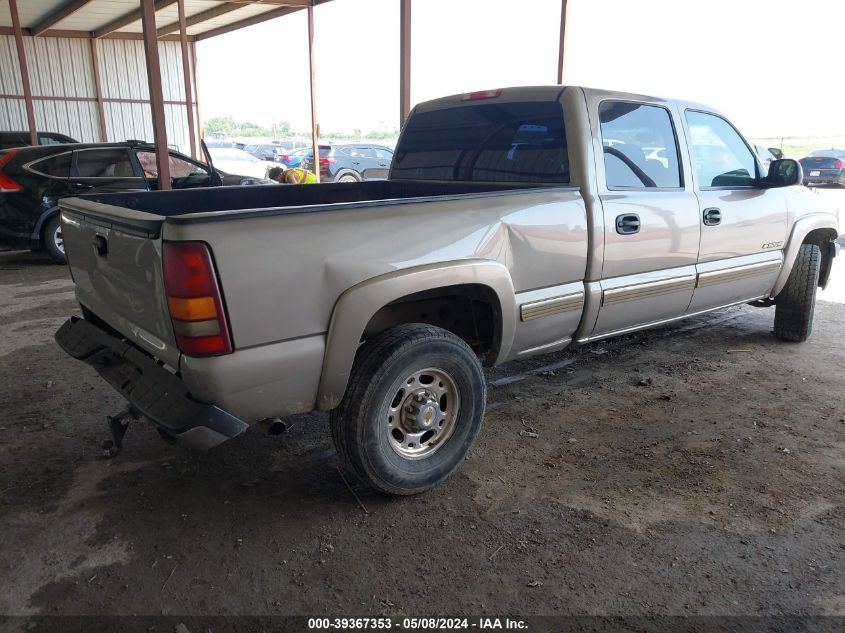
(96, 14)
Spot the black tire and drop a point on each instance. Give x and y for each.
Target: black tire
(795, 304)
(360, 427)
(349, 176)
(52, 239)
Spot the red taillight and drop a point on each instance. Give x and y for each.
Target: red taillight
(194, 300)
(7, 185)
(482, 94)
(284, 157)
(839, 164)
(327, 160)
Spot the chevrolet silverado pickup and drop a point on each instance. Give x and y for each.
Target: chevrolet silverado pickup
(514, 222)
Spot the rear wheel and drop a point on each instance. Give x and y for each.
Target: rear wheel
(796, 303)
(412, 409)
(53, 241)
(349, 177)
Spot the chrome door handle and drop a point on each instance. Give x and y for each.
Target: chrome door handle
(628, 224)
(712, 216)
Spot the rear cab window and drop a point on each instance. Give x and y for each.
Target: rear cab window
(639, 145)
(521, 142)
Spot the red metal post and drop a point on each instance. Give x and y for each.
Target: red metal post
(101, 111)
(148, 22)
(197, 91)
(314, 127)
(27, 90)
(562, 43)
(186, 71)
(404, 60)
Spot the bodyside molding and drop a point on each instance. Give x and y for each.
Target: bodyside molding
(648, 290)
(550, 306)
(357, 305)
(729, 275)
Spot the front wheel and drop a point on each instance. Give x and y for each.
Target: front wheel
(53, 241)
(412, 409)
(795, 304)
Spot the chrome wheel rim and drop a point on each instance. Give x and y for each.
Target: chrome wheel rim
(348, 179)
(58, 240)
(422, 414)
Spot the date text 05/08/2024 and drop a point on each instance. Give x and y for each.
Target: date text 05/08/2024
(417, 624)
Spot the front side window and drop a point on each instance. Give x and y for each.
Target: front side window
(183, 173)
(485, 142)
(719, 155)
(104, 163)
(639, 146)
(383, 153)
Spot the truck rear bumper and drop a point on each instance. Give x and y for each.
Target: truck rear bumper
(152, 390)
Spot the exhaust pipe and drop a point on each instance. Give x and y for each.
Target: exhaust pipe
(272, 426)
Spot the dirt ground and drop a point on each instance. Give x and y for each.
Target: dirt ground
(691, 469)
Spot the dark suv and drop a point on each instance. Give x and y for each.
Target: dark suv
(32, 179)
(351, 163)
(264, 151)
(9, 140)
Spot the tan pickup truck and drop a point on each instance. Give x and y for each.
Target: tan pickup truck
(514, 222)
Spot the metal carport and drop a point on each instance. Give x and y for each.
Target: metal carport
(76, 66)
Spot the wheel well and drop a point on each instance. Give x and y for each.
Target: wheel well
(470, 311)
(44, 218)
(822, 238)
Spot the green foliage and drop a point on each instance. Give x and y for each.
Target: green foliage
(229, 126)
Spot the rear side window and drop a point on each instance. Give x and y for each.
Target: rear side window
(639, 146)
(56, 166)
(104, 163)
(489, 142)
(12, 139)
(720, 156)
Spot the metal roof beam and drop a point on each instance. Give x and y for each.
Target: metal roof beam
(281, 3)
(199, 18)
(256, 19)
(58, 15)
(129, 18)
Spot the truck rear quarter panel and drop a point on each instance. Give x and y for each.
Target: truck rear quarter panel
(281, 276)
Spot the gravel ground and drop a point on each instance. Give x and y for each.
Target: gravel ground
(693, 469)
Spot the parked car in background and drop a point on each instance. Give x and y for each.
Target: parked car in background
(350, 163)
(219, 143)
(290, 144)
(236, 161)
(294, 157)
(824, 167)
(8, 140)
(264, 151)
(765, 156)
(32, 179)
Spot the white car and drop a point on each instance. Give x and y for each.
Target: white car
(239, 163)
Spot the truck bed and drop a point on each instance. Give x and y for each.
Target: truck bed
(285, 199)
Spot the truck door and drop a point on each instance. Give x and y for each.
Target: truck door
(651, 228)
(743, 226)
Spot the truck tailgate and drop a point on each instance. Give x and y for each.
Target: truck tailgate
(114, 256)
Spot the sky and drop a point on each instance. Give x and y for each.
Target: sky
(774, 67)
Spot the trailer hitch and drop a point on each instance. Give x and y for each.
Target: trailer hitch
(118, 425)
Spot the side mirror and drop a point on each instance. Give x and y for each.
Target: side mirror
(784, 172)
